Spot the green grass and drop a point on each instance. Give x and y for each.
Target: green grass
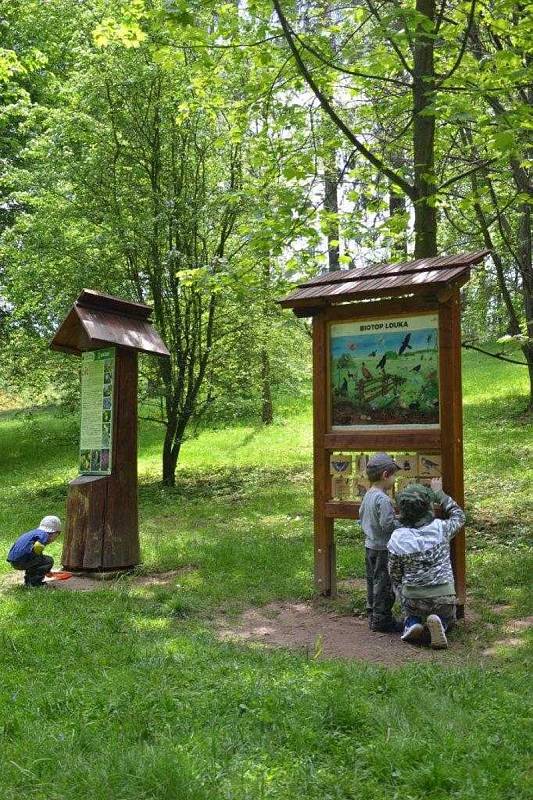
(125, 693)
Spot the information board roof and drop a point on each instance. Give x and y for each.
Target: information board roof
(422, 276)
(99, 320)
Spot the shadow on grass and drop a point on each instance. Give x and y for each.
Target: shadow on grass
(141, 702)
(251, 540)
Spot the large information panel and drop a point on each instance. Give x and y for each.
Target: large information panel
(385, 372)
(97, 387)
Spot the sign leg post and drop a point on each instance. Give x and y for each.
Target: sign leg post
(325, 562)
(452, 429)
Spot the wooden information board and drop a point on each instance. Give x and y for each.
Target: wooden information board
(97, 411)
(102, 529)
(386, 377)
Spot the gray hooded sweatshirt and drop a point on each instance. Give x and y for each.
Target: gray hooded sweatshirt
(376, 515)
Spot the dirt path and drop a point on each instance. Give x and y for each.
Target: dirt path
(325, 634)
(88, 583)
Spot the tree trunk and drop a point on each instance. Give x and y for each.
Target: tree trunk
(424, 133)
(169, 460)
(527, 282)
(267, 412)
(331, 206)
(267, 409)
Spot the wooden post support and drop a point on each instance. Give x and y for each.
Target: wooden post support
(325, 561)
(452, 427)
(102, 530)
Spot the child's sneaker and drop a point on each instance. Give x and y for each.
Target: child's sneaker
(412, 633)
(437, 632)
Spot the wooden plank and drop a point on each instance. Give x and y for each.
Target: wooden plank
(425, 287)
(71, 337)
(86, 502)
(100, 301)
(341, 509)
(381, 308)
(398, 268)
(121, 531)
(324, 545)
(106, 327)
(452, 427)
(380, 439)
(94, 323)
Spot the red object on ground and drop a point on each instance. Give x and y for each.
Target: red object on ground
(59, 576)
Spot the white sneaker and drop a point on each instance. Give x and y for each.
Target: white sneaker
(437, 632)
(413, 633)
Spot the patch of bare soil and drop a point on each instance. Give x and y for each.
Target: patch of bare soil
(91, 582)
(501, 608)
(512, 629)
(514, 625)
(323, 634)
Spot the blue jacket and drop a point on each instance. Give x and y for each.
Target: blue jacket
(23, 547)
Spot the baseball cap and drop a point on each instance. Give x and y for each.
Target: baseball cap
(50, 524)
(382, 461)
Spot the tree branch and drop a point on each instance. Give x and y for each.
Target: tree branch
(499, 356)
(154, 419)
(462, 49)
(330, 111)
(344, 70)
(465, 174)
(391, 41)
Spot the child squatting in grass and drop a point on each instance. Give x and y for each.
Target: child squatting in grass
(27, 552)
(378, 521)
(420, 565)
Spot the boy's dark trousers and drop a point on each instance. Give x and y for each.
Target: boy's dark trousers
(36, 568)
(380, 596)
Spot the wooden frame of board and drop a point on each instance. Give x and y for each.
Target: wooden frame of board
(447, 440)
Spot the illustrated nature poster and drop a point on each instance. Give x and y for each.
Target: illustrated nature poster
(97, 389)
(385, 372)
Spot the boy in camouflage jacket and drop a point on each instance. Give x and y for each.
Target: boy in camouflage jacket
(420, 565)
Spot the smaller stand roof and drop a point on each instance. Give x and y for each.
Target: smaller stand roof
(99, 320)
(423, 276)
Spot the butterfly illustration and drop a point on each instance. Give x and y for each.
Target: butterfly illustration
(340, 466)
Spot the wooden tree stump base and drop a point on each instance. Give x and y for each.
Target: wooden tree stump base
(101, 534)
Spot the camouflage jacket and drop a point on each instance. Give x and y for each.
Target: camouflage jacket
(419, 558)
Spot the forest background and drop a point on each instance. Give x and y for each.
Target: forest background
(200, 156)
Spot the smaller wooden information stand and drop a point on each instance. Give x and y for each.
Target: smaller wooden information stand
(386, 377)
(102, 531)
